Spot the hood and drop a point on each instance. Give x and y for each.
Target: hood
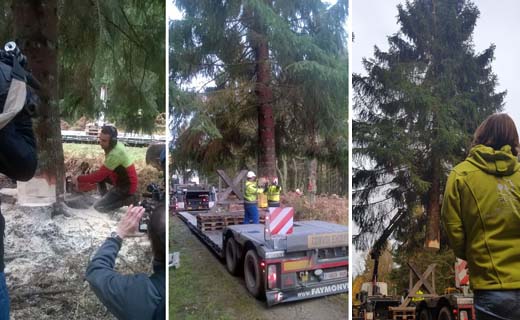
(496, 162)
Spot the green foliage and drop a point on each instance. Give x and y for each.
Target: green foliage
(213, 44)
(417, 108)
(444, 261)
(114, 43)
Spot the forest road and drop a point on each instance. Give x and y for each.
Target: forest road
(202, 288)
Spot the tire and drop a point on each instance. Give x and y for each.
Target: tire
(232, 258)
(444, 314)
(253, 274)
(424, 314)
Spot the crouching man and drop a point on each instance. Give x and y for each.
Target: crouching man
(118, 170)
(135, 296)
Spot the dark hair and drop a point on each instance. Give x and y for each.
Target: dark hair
(157, 233)
(497, 131)
(112, 132)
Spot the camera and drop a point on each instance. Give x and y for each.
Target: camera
(154, 196)
(14, 64)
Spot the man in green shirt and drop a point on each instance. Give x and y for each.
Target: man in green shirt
(118, 169)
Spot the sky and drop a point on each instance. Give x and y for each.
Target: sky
(374, 20)
(498, 20)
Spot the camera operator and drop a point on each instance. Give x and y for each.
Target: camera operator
(136, 296)
(18, 156)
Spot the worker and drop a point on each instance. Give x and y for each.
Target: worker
(481, 214)
(273, 194)
(132, 296)
(419, 296)
(251, 199)
(18, 155)
(118, 169)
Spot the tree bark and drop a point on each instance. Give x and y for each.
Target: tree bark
(311, 185)
(267, 155)
(433, 208)
(295, 168)
(35, 28)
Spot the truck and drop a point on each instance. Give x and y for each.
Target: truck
(191, 197)
(374, 301)
(455, 304)
(376, 304)
(311, 261)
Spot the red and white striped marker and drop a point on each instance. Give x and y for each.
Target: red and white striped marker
(461, 273)
(280, 221)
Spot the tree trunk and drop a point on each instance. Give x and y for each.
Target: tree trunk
(282, 173)
(36, 30)
(433, 208)
(267, 155)
(311, 185)
(295, 168)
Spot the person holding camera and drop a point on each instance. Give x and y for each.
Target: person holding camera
(18, 154)
(118, 170)
(136, 296)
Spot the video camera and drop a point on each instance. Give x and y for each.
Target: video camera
(154, 196)
(13, 61)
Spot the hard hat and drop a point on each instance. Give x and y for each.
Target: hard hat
(275, 181)
(251, 174)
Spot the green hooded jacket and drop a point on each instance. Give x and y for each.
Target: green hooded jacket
(481, 214)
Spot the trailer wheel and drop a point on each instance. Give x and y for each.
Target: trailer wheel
(232, 256)
(424, 314)
(253, 274)
(445, 314)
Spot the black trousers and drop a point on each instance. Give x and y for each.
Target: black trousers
(115, 198)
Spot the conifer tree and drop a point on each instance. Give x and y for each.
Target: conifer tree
(417, 107)
(268, 60)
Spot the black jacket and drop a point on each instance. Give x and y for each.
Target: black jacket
(135, 296)
(18, 156)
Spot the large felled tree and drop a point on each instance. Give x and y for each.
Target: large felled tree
(417, 107)
(269, 60)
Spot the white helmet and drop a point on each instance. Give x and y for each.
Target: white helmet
(251, 174)
(275, 181)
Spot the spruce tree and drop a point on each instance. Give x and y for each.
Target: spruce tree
(269, 60)
(417, 107)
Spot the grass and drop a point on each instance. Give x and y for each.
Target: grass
(75, 153)
(94, 151)
(202, 288)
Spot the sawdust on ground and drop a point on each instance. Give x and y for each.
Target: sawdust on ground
(46, 259)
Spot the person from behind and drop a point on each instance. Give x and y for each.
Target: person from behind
(18, 152)
(481, 214)
(251, 199)
(118, 169)
(133, 296)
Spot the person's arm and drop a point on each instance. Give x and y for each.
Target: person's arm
(451, 217)
(121, 294)
(96, 176)
(18, 159)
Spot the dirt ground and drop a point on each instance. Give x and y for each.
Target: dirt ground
(46, 260)
(203, 289)
(46, 257)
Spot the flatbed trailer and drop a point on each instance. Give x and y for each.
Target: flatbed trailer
(310, 262)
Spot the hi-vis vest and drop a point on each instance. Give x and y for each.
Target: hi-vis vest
(250, 194)
(273, 193)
